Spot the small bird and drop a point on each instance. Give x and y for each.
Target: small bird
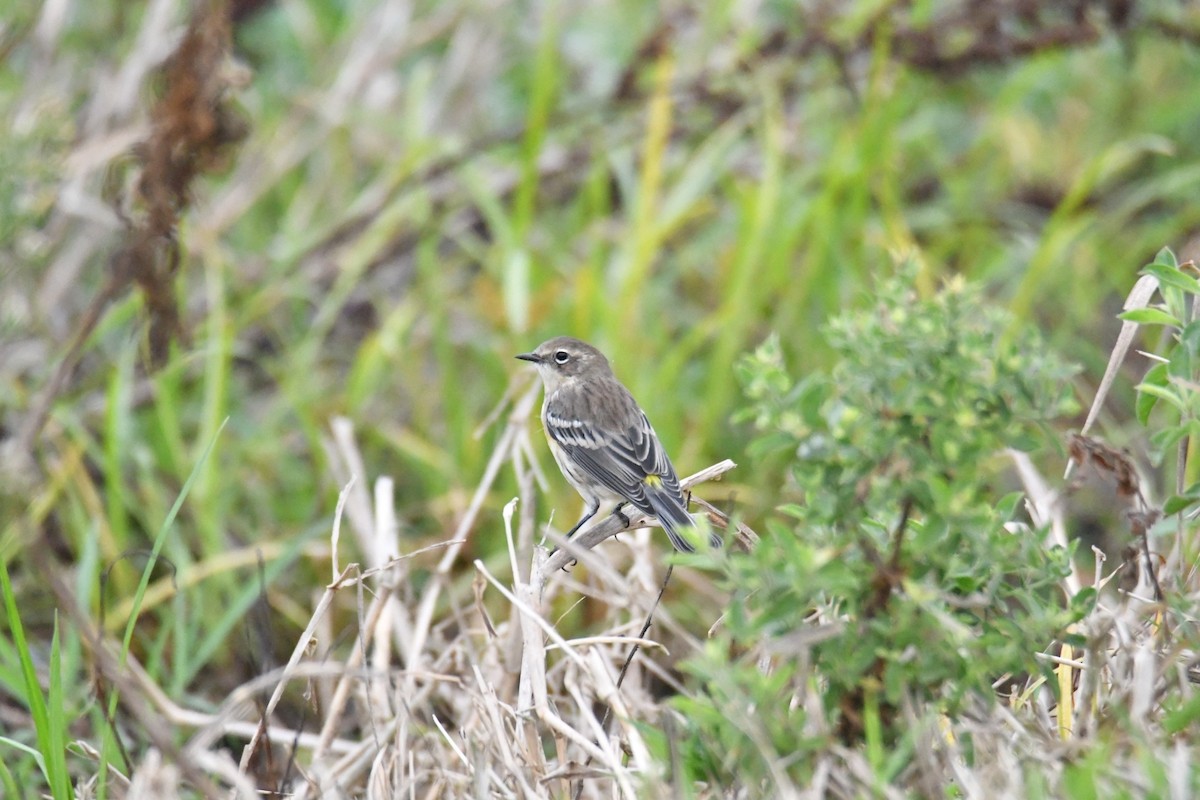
(603, 442)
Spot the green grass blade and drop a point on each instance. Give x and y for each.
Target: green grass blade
(50, 731)
(157, 548)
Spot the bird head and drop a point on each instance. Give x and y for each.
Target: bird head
(562, 358)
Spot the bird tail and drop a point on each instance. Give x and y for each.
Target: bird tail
(672, 513)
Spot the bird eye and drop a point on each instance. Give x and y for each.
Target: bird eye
(562, 357)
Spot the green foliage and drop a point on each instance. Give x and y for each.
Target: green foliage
(426, 192)
(899, 575)
(50, 716)
(1171, 382)
(1172, 385)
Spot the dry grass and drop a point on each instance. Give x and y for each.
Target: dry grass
(424, 669)
(437, 698)
(443, 697)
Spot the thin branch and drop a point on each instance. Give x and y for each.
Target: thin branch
(612, 524)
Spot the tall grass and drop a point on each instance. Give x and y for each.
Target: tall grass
(427, 189)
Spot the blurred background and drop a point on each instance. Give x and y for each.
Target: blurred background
(306, 209)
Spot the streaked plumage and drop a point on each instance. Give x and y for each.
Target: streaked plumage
(601, 438)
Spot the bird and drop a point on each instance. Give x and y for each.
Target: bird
(603, 442)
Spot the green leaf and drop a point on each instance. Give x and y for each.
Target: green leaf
(50, 731)
(1007, 506)
(1149, 316)
(8, 784)
(1172, 277)
(156, 549)
(1168, 437)
(793, 510)
(1155, 376)
(58, 720)
(1189, 337)
(1178, 502)
(1183, 717)
(1166, 257)
(1076, 639)
(32, 752)
(1083, 601)
(1162, 393)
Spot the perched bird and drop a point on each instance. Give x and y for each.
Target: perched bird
(603, 442)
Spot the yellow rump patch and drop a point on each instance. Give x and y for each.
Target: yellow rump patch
(653, 481)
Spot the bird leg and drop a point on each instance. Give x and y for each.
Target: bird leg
(588, 514)
(591, 512)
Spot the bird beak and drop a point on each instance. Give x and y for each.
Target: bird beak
(534, 357)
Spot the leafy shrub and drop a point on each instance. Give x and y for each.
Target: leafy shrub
(900, 579)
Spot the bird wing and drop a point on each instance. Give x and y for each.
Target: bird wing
(618, 459)
(629, 462)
